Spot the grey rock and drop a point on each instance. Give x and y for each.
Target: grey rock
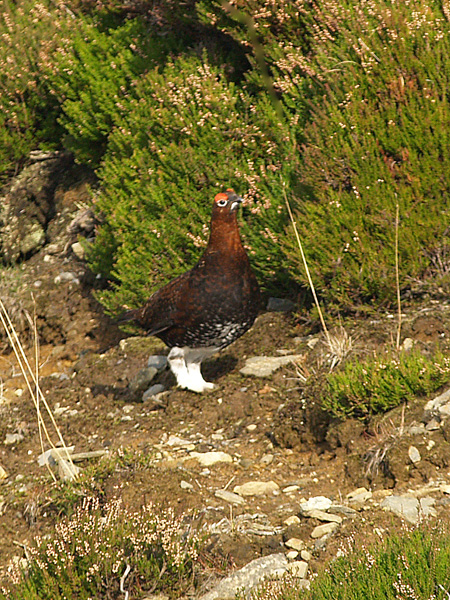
(295, 544)
(410, 509)
(157, 361)
(321, 515)
(315, 503)
(249, 577)
(84, 222)
(229, 497)
(142, 380)
(414, 454)
(13, 438)
(66, 277)
(207, 459)
(280, 305)
(434, 408)
(78, 250)
(256, 488)
(346, 511)
(264, 366)
(298, 568)
(322, 530)
(152, 391)
(28, 206)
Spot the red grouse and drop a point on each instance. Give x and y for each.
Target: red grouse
(208, 307)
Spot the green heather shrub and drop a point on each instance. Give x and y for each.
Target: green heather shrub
(89, 554)
(96, 73)
(363, 388)
(30, 33)
(187, 135)
(378, 136)
(412, 565)
(372, 79)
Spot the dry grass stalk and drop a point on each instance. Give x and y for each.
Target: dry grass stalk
(339, 345)
(32, 380)
(387, 438)
(397, 280)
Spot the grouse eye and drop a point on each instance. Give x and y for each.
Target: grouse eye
(222, 202)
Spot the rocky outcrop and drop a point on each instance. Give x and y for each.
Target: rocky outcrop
(28, 205)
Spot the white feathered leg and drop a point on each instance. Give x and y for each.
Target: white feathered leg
(185, 364)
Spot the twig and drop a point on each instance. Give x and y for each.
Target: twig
(308, 275)
(31, 379)
(122, 581)
(397, 278)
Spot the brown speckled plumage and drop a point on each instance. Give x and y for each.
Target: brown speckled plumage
(208, 307)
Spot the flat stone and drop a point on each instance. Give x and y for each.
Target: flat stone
(306, 555)
(321, 515)
(298, 568)
(152, 391)
(293, 520)
(66, 277)
(260, 569)
(292, 554)
(157, 361)
(326, 529)
(3, 473)
(185, 485)
(359, 496)
(433, 407)
(207, 459)
(229, 497)
(256, 488)
(414, 454)
(317, 502)
(339, 509)
(410, 509)
(295, 544)
(13, 438)
(78, 250)
(264, 366)
(142, 380)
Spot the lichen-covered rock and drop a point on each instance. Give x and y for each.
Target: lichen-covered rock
(28, 206)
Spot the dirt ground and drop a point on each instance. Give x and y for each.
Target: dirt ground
(262, 424)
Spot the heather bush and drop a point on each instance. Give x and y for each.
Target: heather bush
(90, 554)
(30, 32)
(371, 78)
(412, 565)
(377, 137)
(96, 73)
(364, 388)
(188, 134)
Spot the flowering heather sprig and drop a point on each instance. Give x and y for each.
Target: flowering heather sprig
(91, 550)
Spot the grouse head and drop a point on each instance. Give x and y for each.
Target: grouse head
(224, 231)
(225, 205)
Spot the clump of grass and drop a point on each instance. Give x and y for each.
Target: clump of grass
(363, 388)
(413, 566)
(103, 552)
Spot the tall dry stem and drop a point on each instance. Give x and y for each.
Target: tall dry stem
(32, 381)
(397, 279)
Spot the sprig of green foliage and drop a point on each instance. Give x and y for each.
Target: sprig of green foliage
(364, 388)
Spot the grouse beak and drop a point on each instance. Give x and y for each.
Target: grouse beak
(237, 200)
